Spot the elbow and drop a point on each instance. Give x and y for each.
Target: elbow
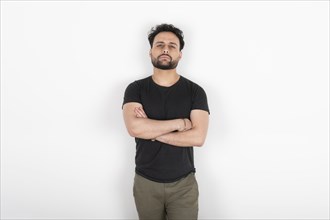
(200, 142)
(199, 137)
(133, 132)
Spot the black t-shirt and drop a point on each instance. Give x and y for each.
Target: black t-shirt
(155, 160)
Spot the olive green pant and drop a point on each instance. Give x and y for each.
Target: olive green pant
(171, 201)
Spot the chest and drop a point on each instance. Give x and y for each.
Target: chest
(167, 103)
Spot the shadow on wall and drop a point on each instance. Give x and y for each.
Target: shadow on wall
(208, 160)
(123, 152)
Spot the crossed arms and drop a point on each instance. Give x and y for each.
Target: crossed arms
(178, 132)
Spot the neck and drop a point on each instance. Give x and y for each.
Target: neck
(165, 77)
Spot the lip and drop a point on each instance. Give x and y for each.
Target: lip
(165, 56)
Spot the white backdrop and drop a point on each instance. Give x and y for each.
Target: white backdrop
(65, 152)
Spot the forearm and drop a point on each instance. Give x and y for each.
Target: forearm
(188, 138)
(146, 128)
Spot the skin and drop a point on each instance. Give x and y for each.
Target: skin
(166, 52)
(166, 49)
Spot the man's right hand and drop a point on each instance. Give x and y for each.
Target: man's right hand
(139, 112)
(186, 125)
(147, 128)
(185, 122)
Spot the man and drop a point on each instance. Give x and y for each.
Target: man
(168, 115)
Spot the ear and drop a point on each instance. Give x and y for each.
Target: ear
(180, 55)
(150, 53)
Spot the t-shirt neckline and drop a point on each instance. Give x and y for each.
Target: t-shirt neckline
(166, 87)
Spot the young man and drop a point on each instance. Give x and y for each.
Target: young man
(168, 115)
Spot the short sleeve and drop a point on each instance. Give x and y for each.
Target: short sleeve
(132, 93)
(200, 99)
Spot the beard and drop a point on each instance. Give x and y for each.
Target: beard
(164, 64)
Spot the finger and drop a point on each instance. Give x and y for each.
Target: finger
(137, 113)
(189, 125)
(142, 112)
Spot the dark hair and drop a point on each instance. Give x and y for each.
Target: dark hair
(165, 28)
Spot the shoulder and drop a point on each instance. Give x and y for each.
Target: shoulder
(139, 83)
(143, 80)
(192, 85)
(134, 89)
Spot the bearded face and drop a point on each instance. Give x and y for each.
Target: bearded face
(164, 62)
(165, 53)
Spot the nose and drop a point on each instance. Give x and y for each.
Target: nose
(165, 49)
